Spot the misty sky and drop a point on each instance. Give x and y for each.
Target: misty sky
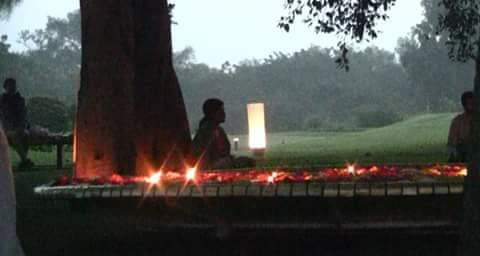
(221, 30)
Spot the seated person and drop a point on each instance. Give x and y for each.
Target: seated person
(459, 137)
(211, 146)
(13, 114)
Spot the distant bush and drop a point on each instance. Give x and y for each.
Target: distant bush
(326, 124)
(376, 118)
(71, 115)
(314, 124)
(48, 113)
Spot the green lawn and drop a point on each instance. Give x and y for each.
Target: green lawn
(44, 159)
(420, 139)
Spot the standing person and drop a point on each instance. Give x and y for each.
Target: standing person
(459, 137)
(211, 146)
(9, 244)
(13, 114)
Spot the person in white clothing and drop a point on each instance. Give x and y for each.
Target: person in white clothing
(9, 243)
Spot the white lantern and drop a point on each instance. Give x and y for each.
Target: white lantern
(257, 140)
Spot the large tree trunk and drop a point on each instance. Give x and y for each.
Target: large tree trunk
(131, 116)
(471, 222)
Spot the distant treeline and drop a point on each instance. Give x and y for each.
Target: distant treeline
(302, 91)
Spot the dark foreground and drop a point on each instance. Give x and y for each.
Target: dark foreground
(50, 238)
(54, 229)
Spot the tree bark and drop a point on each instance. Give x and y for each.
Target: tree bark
(163, 136)
(471, 222)
(131, 115)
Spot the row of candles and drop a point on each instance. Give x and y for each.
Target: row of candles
(344, 174)
(350, 172)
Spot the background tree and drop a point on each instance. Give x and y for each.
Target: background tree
(55, 53)
(48, 113)
(438, 81)
(6, 7)
(350, 20)
(304, 90)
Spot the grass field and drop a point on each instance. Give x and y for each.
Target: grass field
(421, 139)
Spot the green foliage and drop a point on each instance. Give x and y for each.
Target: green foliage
(51, 66)
(16, 65)
(350, 19)
(6, 7)
(461, 21)
(301, 91)
(438, 81)
(49, 113)
(60, 36)
(54, 58)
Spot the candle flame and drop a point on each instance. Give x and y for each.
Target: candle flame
(463, 172)
(271, 178)
(435, 172)
(351, 169)
(191, 174)
(154, 178)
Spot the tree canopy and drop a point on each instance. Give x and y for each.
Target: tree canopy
(349, 19)
(6, 7)
(424, 56)
(461, 20)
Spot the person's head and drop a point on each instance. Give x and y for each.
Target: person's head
(10, 85)
(214, 111)
(467, 101)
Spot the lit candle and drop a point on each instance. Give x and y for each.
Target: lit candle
(257, 140)
(155, 178)
(191, 174)
(271, 178)
(351, 169)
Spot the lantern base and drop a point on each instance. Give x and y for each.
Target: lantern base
(258, 153)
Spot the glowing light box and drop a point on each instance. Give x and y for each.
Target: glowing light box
(257, 139)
